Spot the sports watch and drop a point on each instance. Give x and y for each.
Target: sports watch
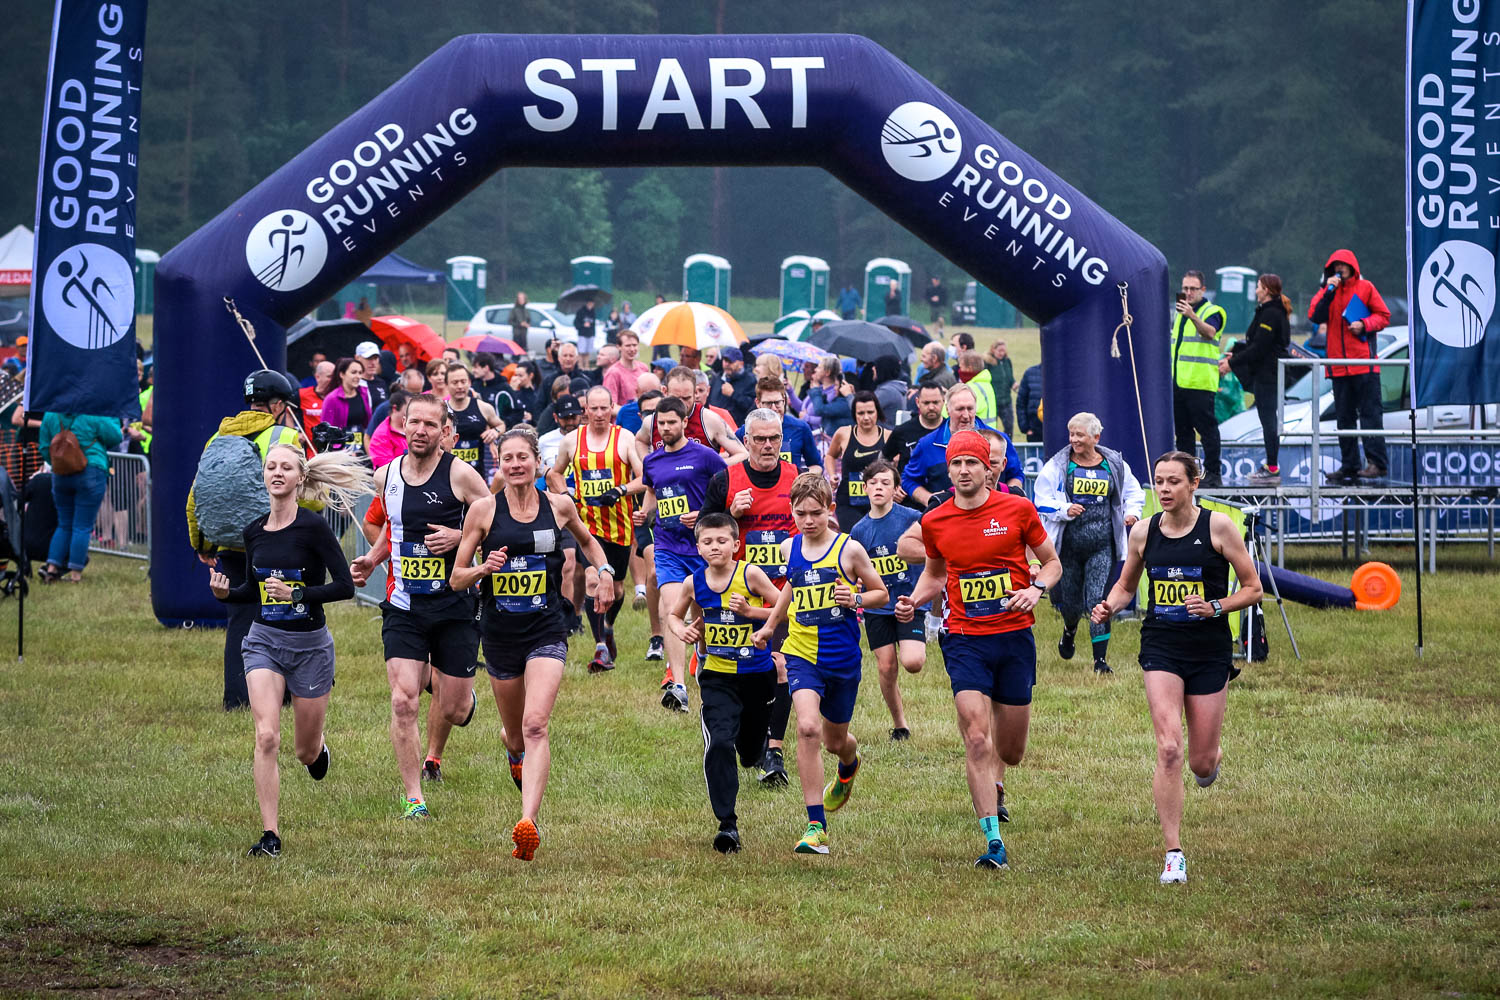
(1218, 609)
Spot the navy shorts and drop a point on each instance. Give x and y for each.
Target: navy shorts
(885, 630)
(1003, 666)
(837, 688)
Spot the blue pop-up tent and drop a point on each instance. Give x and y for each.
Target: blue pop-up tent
(394, 269)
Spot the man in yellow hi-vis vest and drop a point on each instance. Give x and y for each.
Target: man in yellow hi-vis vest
(1196, 332)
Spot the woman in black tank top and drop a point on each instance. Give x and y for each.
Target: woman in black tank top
(856, 446)
(518, 534)
(1186, 552)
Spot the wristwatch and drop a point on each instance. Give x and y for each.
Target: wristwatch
(297, 593)
(859, 599)
(1218, 608)
(607, 568)
(1039, 585)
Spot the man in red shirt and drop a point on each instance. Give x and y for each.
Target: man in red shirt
(975, 546)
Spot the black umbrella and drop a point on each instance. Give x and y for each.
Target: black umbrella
(573, 299)
(908, 328)
(336, 338)
(853, 338)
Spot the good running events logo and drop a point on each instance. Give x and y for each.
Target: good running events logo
(89, 296)
(920, 141)
(286, 250)
(1456, 293)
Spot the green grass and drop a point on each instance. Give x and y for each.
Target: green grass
(1347, 850)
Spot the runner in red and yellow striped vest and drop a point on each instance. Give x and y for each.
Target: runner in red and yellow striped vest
(601, 460)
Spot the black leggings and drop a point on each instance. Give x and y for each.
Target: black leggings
(1265, 408)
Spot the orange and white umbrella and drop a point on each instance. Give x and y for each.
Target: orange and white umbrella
(688, 324)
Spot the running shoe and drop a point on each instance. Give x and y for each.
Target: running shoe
(639, 604)
(727, 841)
(814, 841)
(836, 792)
(473, 707)
(666, 678)
(900, 733)
(515, 767)
(655, 650)
(432, 770)
(609, 643)
(269, 846)
(601, 661)
(1101, 667)
(415, 809)
(527, 840)
(1265, 476)
(1000, 811)
(772, 769)
(1175, 869)
(675, 698)
(319, 768)
(1065, 646)
(994, 857)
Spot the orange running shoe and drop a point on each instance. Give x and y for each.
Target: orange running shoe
(526, 839)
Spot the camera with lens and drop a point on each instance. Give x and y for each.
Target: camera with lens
(326, 437)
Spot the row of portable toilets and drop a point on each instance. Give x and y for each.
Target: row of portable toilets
(804, 285)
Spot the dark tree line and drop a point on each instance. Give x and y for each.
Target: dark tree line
(1263, 134)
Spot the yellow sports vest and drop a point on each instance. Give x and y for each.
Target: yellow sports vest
(1195, 359)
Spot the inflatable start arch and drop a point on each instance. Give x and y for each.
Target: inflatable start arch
(484, 102)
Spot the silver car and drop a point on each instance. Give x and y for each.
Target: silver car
(546, 324)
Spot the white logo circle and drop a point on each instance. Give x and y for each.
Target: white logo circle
(88, 296)
(1456, 293)
(286, 250)
(920, 142)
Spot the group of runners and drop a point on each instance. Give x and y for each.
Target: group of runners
(760, 579)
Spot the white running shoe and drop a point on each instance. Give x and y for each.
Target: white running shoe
(1175, 869)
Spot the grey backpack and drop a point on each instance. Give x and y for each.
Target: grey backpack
(229, 491)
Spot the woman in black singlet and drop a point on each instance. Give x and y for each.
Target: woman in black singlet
(1186, 553)
(524, 633)
(856, 446)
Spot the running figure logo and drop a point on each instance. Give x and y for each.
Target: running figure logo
(89, 296)
(1456, 293)
(920, 141)
(286, 250)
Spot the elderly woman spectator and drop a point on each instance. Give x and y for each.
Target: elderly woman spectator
(1088, 499)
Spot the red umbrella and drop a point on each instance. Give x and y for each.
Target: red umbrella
(394, 331)
(477, 342)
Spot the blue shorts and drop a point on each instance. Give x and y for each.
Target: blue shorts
(1003, 666)
(837, 688)
(674, 568)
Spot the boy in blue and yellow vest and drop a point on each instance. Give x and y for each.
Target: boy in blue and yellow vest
(737, 684)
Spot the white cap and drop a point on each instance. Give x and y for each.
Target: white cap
(366, 349)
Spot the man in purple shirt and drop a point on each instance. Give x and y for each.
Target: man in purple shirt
(676, 477)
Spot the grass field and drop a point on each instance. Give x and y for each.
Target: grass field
(1349, 848)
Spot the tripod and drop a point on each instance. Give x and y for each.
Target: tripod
(1254, 544)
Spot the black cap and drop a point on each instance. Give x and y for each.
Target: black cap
(265, 385)
(567, 406)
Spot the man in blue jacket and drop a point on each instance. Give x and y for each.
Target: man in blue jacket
(926, 472)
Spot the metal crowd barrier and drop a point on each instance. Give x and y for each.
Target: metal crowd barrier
(123, 527)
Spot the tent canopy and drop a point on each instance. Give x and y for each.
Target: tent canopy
(17, 248)
(394, 269)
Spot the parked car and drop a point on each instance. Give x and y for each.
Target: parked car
(1395, 401)
(546, 324)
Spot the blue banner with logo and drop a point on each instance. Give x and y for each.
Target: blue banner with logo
(1453, 201)
(81, 352)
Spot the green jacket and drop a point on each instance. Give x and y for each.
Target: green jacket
(984, 395)
(95, 434)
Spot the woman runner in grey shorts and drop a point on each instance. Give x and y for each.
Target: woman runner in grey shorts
(295, 566)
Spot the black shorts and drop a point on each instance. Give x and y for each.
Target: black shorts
(885, 630)
(645, 537)
(618, 557)
(451, 642)
(1199, 677)
(506, 660)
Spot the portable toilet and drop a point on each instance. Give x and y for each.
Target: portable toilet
(705, 278)
(804, 284)
(466, 281)
(991, 310)
(145, 281)
(880, 274)
(594, 271)
(1236, 294)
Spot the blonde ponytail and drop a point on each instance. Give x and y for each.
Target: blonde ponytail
(335, 478)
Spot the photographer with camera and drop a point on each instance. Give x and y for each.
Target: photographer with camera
(1351, 308)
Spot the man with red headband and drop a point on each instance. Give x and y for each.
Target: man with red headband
(975, 545)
